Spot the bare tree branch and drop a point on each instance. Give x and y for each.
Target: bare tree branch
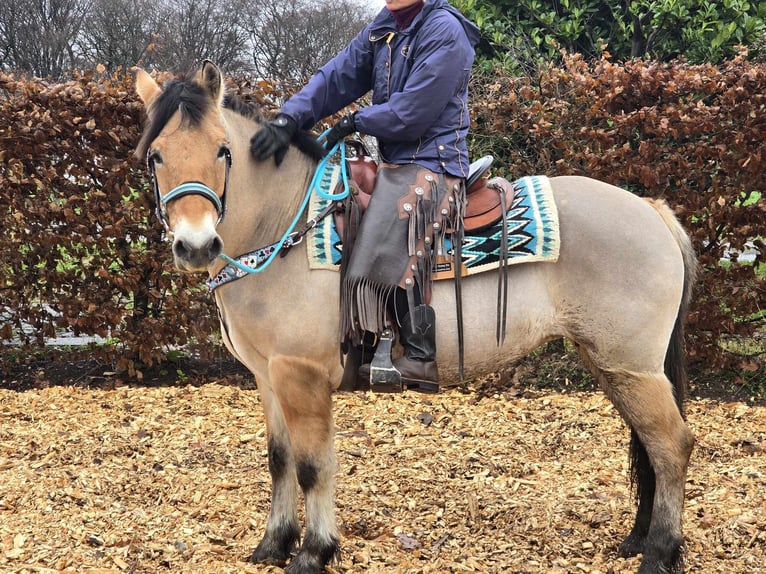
(278, 40)
(120, 32)
(40, 36)
(290, 40)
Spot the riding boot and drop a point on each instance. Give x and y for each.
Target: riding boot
(417, 335)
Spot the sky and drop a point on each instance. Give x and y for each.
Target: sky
(376, 5)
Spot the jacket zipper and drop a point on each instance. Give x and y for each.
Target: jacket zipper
(390, 64)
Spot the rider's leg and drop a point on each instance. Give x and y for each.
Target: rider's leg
(417, 334)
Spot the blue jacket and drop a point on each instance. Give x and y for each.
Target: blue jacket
(419, 82)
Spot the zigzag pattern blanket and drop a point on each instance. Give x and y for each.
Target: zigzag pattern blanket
(532, 224)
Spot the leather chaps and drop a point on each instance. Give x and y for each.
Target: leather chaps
(396, 245)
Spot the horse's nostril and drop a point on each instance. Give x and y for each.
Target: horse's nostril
(180, 249)
(216, 247)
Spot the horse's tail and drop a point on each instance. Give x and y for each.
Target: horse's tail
(642, 473)
(675, 363)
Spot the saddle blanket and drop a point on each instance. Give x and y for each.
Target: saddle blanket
(531, 221)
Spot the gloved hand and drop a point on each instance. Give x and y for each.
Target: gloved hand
(273, 139)
(344, 127)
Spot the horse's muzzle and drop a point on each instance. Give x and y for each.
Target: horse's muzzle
(191, 257)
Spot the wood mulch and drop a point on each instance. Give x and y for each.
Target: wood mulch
(141, 478)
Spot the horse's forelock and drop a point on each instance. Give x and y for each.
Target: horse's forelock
(183, 95)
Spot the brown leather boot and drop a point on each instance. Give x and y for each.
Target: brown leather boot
(418, 337)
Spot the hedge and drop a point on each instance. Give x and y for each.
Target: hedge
(83, 252)
(693, 135)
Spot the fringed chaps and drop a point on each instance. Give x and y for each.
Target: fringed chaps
(397, 242)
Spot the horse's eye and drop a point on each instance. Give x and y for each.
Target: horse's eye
(223, 152)
(155, 158)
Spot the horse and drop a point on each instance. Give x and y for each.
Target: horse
(619, 291)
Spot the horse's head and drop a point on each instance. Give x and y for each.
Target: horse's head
(187, 151)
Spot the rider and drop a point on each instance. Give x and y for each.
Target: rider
(416, 57)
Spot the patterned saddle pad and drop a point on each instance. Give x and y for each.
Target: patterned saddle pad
(531, 221)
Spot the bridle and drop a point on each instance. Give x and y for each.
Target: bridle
(258, 260)
(188, 188)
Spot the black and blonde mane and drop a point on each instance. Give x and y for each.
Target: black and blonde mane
(194, 102)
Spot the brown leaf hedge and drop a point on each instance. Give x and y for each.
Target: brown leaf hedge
(82, 251)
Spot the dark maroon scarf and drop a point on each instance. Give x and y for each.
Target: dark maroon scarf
(405, 16)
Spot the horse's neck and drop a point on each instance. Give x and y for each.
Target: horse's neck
(262, 200)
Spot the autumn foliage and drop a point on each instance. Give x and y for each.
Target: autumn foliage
(693, 135)
(83, 252)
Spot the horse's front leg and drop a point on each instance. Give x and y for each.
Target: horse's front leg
(282, 528)
(303, 390)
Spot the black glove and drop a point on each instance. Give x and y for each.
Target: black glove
(273, 139)
(344, 127)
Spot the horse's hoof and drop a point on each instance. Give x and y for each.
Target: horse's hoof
(633, 545)
(314, 554)
(312, 560)
(266, 560)
(276, 550)
(268, 557)
(654, 565)
(301, 565)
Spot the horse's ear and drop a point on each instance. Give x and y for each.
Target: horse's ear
(146, 88)
(211, 79)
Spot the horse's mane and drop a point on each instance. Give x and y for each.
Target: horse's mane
(193, 101)
(245, 106)
(304, 141)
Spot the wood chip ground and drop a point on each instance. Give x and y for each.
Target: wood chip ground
(174, 479)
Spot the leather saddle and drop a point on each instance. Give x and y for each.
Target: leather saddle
(483, 195)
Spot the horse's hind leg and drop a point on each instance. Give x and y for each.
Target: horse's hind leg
(662, 444)
(303, 391)
(644, 483)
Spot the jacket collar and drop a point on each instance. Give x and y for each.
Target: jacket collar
(384, 22)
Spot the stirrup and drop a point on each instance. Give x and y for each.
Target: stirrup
(384, 378)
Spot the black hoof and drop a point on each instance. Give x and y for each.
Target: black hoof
(275, 550)
(303, 565)
(313, 556)
(653, 566)
(633, 545)
(668, 558)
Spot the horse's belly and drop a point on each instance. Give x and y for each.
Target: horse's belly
(530, 320)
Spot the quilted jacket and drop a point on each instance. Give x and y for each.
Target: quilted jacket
(419, 81)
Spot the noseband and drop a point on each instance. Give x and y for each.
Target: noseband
(188, 188)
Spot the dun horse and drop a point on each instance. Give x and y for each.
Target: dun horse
(619, 290)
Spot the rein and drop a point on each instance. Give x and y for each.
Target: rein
(259, 259)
